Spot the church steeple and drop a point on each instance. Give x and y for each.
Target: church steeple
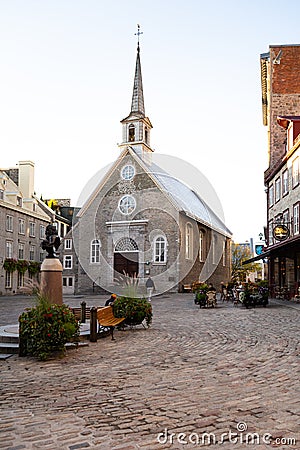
(136, 126)
(137, 104)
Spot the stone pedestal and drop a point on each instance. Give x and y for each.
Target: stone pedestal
(51, 280)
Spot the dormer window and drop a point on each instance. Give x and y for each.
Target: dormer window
(131, 133)
(146, 135)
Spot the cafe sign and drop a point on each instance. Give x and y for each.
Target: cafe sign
(281, 232)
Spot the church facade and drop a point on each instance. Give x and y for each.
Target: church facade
(142, 222)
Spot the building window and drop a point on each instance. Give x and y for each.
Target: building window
(296, 219)
(131, 133)
(127, 204)
(270, 232)
(286, 217)
(19, 202)
(32, 253)
(21, 226)
(1, 194)
(9, 249)
(271, 195)
(127, 172)
(224, 253)
(21, 251)
(285, 182)
(188, 241)
(41, 257)
(9, 223)
(201, 242)
(31, 229)
(95, 251)
(68, 244)
(68, 262)
(160, 250)
(8, 280)
(21, 277)
(42, 232)
(67, 281)
(214, 248)
(295, 172)
(277, 189)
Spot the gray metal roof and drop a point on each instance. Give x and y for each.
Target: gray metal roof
(188, 200)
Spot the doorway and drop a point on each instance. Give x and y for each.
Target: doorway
(126, 263)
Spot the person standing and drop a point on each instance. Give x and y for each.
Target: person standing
(150, 288)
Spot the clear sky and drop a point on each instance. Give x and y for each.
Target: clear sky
(66, 79)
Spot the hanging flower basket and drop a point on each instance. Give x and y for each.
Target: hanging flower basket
(10, 265)
(22, 265)
(33, 267)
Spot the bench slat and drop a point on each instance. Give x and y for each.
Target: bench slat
(106, 317)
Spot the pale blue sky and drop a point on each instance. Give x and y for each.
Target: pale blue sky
(66, 78)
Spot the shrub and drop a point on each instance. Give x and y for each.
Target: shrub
(46, 328)
(135, 310)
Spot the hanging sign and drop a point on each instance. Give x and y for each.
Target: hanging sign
(281, 232)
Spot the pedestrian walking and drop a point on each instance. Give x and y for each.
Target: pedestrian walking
(150, 288)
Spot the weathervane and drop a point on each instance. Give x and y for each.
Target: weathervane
(138, 34)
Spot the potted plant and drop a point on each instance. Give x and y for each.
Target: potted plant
(135, 310)
(46, 328)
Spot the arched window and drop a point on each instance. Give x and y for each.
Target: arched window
(126, 244)
(131, 133)
(188, 241)
(160, 250)
(95, 251)
(201, 246)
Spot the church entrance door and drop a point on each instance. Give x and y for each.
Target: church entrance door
(126, 262)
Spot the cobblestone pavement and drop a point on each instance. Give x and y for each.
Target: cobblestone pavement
(193, 372)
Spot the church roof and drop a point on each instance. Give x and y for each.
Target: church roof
(187, 200)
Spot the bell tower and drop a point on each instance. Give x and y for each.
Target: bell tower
(136, 126)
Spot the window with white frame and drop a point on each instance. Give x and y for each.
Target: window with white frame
(95, 251)
(285, 182)
(31, 229)
(271, 195)
(21, 251)
(127, 172)
(295, 172)
(270, 232)
(201, 244)
(188, 241)
(160, 250)
(296, 219)
(224, 253)
(21, 226)
(68, 261)
(8, 280)
(9, 223)
(9, 249)
(42, 231)
(277, 189)
(21, 277)
(68, 244)
(32, 253)
(127, 204)
(286, 217)
(1, 194)
(19, 202)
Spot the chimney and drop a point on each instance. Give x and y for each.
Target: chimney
(26, 179)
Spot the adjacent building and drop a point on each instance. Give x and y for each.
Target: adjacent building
(23, 221)
(280, 69)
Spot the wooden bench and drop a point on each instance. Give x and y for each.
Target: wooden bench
(106, 318)
(77, 311)
(186, 288)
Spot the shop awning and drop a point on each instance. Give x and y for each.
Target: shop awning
(256, 258)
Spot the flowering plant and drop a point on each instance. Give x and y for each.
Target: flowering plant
(22, 265)
(135, 310)
(33, 267)
(10, 264)
(46, 328)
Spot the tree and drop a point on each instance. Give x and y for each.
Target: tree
(240, 253)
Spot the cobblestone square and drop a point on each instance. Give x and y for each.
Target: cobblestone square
(228, 375)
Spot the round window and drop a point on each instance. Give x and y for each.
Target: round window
(127, 204)
(128, 172)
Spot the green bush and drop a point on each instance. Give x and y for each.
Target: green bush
(46, 328)
(135, 310)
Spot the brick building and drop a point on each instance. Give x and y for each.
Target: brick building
(142, 221)
(281, 114)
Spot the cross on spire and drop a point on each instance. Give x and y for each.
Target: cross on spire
(138, 34)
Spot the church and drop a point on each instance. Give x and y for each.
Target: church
(141, 221)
